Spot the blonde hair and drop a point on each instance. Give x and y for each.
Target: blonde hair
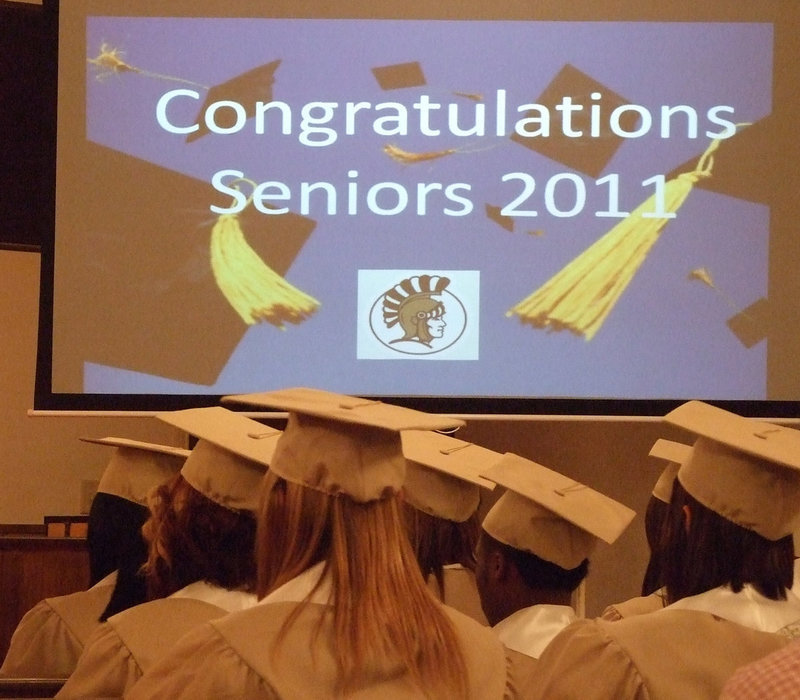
(381, 604)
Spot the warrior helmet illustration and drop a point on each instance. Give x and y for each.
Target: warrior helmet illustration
(416, 304)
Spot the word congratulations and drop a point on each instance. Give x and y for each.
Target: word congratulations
(426, 117)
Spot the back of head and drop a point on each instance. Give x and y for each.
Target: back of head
(332, 497)
(441, 495)
(192, 538)
(382, 608)
(114, 536)
(710, 551)
(438, 542)
(539, 574)
(546, 525)
(118, 511)
(735, 504)
(115, 543)
(655, 518)
(202, 525)
(120, 505)
(657, 510)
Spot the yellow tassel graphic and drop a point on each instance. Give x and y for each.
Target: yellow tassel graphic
(402, 156)
(110, 62)
(254, 290)
(582, 294)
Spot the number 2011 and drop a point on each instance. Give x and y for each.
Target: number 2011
(567, 184)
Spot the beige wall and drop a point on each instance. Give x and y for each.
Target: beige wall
(43, 461)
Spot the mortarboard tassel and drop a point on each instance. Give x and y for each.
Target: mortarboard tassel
(402, 156)
(582, 294)
(252, 288)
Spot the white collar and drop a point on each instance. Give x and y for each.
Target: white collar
(107, 580)
(216, 595)
(298, 589)
(530, 630)
(747, 607)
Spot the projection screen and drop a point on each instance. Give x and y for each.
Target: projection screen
(522, 208)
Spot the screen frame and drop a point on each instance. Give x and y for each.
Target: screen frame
(45, 401)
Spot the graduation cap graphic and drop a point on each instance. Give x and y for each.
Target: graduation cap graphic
(493, 213)
(743, 169)
(742, 166)
(586, 154)
(136, 289)
(753, 324)
(399, 75)
(246, 89)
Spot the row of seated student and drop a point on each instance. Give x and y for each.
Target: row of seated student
(344, 557)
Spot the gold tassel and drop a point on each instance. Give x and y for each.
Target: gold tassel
(110, 62)
(582, 294)
(402, 156)
(254, 290)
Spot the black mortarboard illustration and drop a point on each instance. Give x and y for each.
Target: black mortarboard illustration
(494, 214)
(752, 325)
(399, 75)
(137, 290)
(743, 167)
(246, 88)
(587, 154)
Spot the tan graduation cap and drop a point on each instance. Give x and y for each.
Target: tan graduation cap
(231, 456)
(135, 467)
(745, 470)
(675, 454)
(443, 474)
(342, 444)
(550, 515)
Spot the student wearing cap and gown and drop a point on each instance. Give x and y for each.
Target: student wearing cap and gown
(728, 570)
(441, 495)
(201, 537)
(654, 595)
(344, 607)
(534, 550)
(51, 636)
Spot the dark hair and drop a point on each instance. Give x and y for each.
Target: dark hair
(192, 538)
(655, 516)
(115, 543)
(437, 542)
(538, 573)
(717, 552)
(114, 534)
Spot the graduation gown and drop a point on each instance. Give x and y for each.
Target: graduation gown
(686, 650)
(50, 637)
(132, 641)
(248, 663)
(635, 606)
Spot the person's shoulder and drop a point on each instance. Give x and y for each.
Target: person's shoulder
(68, 600)
(157, 611)
(639, 605)
(672, 632)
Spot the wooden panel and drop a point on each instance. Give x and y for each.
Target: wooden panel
(34, 568)
(29, 687)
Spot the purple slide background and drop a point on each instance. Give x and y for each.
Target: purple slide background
(665, 338)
